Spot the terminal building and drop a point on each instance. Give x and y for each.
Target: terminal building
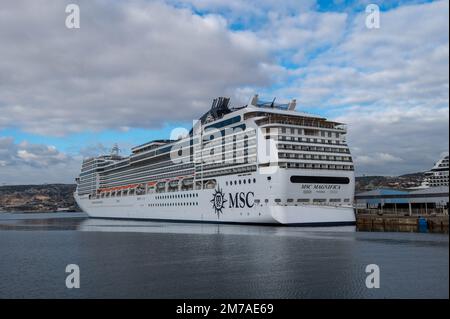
(431, 196)
(423, 201)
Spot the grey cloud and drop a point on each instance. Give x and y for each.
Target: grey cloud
(396, 141)
(126, 66)
(25, 153)
(390, 85)
(24, 163)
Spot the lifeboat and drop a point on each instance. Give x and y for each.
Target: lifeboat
(188, 181)
(160, 185)
(173, 183)
(140, 189)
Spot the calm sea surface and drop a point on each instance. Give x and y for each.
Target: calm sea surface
(131, 259)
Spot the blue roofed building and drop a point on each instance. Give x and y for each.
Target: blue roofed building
(421, 200)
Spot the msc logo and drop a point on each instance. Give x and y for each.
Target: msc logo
(241, 200)
(235, 200)
(218, 201)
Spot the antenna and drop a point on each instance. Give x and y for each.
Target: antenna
(273, 102)
(115, 150)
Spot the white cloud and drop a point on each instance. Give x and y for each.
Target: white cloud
(396, 141)
(23, 163)
(390, 85)
(377, 159)
(125, 67)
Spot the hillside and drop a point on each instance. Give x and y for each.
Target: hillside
(365, 183)
(37, 198)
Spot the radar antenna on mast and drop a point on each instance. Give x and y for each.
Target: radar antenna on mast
(115, 150)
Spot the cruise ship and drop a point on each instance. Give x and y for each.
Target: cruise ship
(438, 175)
(260, 163)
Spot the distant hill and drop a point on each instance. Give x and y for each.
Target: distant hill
(37, 198)
(365, 183)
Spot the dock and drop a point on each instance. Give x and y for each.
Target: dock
(396, 222)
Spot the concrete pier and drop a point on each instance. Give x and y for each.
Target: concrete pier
(395, 222)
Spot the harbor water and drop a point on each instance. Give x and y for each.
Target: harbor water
(140, 259)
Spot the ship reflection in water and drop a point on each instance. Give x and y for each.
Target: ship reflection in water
(109, 225)
(141, 259)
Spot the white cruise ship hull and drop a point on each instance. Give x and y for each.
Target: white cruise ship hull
(254, 203)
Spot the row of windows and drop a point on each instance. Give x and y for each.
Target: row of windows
(144, 178)
(173, 204)
(228, 163)
(190, 195)
(231, 138)
(145, 172)
(307, 140)
(307, 200)
(257, 201)
(132, 192)
(439, 174)
(302, 131)
(240, 182)
(438, 184)
(139, 167)
(225, 156)
(316, 157)
(311, 148)
(316, 166)
(271, 119)
(227, 171)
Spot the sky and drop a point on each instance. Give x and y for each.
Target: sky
(135, 70)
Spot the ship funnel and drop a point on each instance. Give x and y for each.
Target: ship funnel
(292, 105)
(254, 100)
